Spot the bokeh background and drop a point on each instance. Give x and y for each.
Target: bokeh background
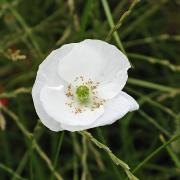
(147, 140)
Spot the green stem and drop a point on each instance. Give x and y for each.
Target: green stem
(84, 159)
(171, 153)
(14, 93)
(21, 164)
(76, 154)
(154, 122)
(30, 137)
(18, 123)
(26, 29)
(122, 18)
(114, 158)
(10, 171)
(57, 152)
(154, 86)
(151, 101)
(148, 40)
(133, 25)
(47, 160)
(36, 135)
(140, 165)
(111, 23)
(153, 60)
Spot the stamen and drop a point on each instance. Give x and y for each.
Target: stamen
(85, 97)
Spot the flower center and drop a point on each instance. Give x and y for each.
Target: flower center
(84, 96)
(82, 93)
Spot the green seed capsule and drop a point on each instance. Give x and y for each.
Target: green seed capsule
(82, 93)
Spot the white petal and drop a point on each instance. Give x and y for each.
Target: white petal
(114, 75)
(47, 75)
(76, 128)
(111, 89)
(83, 60)
(48, 68)
(54, 102)
(48, 121)
(116, 108)
(99, 61)
(113, 110)
(113, 60)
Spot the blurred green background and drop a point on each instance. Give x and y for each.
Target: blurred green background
(149, 34)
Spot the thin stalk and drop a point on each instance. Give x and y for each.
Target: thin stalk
(75, 167)
(153, 60)
(27, 29)
(149, 40)
(171, 153)
(21, 164)
(102, 139)
(36, 135)
(14, 93)
(30, 136)
(142, 18)
(114, 158)
(84, 159)
(76, 154)
(60, 140)
(10, 171)
(111, 23)
(155, 152)
(121, 20)
(97, 156)
(154, 103)
(154, 86)
(154, 122)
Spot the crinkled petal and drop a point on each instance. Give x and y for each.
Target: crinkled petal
(116, 108)
(98, 61)
(76, 128)
(83, 60)
(113, 60)
(114, 75)
(47, 75)
(54, 102)
(48, 68)
(48, 121)
(111, 89)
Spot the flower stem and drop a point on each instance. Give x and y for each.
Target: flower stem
(114, 158)
(27, 30)
(10, 171)
(171, 153)
(60, 140)
(14, 93)
(122, 18)
(84, 159)
(153, 60)
(29, 136)
(140, 165)
(154, 86)
(111, 23)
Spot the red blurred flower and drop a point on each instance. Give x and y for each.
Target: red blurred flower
(4, 102)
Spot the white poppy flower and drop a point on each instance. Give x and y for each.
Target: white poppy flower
(79, 86)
